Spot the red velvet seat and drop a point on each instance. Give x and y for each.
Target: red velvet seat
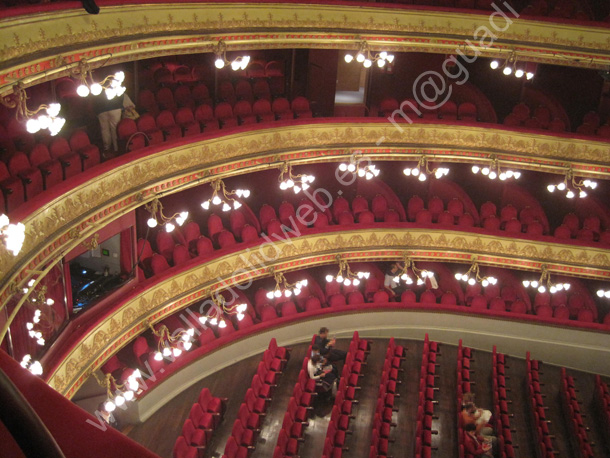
(561, 312)
(19, 166)
(165, 99)
(180, 255)
(194, 437)
(262, 90)
(224, 113)
(428, 297)
(186, 120)
(544, 311)
(300, 107)
(379, 206)
(466, 220)
(165, 244)
(266, 215)
(158, 264)
(381, 297)
(167, 124)
(281, 109)
(204, 246)
(585, 235)
(237, 221)
(268, 313)
(204, 114)
(446, 218)
(147, 102)
(345, 219)
(491, 223)
(387, 106)
(586, 316)
(423, 217)
(535, 228)
(448, 298)
(184, 98)
(51, 168)
(408, 297)
(288, 309)
(234, 450)
(448, 111)
(455, 207)
(562, 232)
(312, 303)
(249, 234)
(243, 112)
(286, 213)
(141, 350)
(366, 217)
(321, 220)
(488, 209)
(513, 226)
(572, 222)
(355, 297)
(557, 125)
(479, 302)
(89, 154)
(201, 95)
(183, 450)
(521, 111)
(70, 161)
(593, 223)
(226, 239)
(147, 124)
(243, 91)
(391, 216)
(340, 205)
(467, 111)
(359, 204)
(518, 307)
(436, 207)
(206, 336)
(262, 110)
(497, 304)
(508, 212)
(336, 300)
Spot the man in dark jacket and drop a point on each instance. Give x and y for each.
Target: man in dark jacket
(326, 347)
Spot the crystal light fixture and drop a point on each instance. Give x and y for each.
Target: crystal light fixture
(367, 58)
(360, 165)
(239, 63)
(111, 85)
(47, 119)
(221, 307)
(511, 67)
(493, 171)
(544, 283)
(220, 196)
(118, 394)
(603, 293)
(13, 235)
(422, 170)
(297, 182)
(283, 288)
(473, 276)
(345, 274)
(171, 346)
(155, 207)
(408, 266)
(33, 366)
(572, 186)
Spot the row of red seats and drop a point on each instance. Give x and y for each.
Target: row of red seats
(388, 393)
(23, 176)
(165, 75)
(466, 111)
(544, 439)
(204, 418)
(504, 432)
(464, 358)
(253, 409)
(540, 118)
(602, 400)
(345, 399)
(151, 130)
(571, 408)
(425, 406)
(296, 416)
(591, 125)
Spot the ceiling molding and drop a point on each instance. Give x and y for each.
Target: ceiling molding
(37, 47)
(130, 181)
(185, 287)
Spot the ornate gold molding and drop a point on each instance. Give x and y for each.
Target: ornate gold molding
(123, 188)
(175, 293)
(30, 42)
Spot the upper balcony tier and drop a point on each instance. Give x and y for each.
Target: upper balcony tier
(42, 42)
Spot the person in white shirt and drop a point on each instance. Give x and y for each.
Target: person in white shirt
(322, 374)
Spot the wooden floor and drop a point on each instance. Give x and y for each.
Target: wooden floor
(160, 431)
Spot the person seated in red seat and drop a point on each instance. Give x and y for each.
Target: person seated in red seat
(474, 444)
(477, 416)
(327, 349)
(389, 282)
(322, 372)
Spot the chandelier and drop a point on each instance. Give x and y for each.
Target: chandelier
(39, 298)
(296, 182)
(603, 293)
(111, 85)
(572, 186)
(168, 345)
(13, 235)
(473, 276)
(493, 171)
(285, 288)
(155, 208)
(33, 366)
(116, 393)
(409, 265)
(345, 274)
(221, 306)
(239, 63)
(544, 283)
(357, 166)
(367, 58)
(47, 119)
(422, 170)
(510, 67)
(220, 196)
